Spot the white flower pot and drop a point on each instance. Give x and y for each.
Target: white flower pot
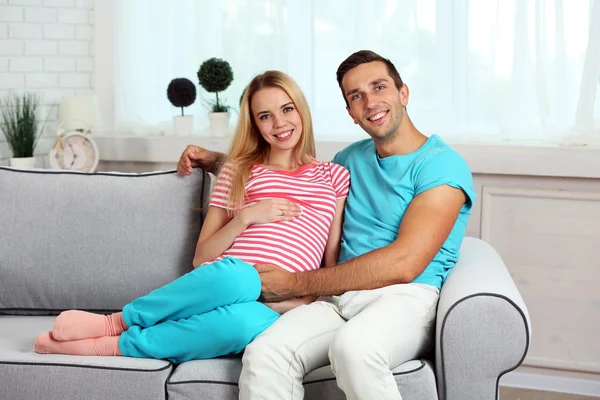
(219, 123)
(23, 162)
(183, 125)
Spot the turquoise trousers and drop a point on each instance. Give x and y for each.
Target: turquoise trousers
(209, 312)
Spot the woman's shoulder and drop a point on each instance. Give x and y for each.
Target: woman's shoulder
(332, 169)
(330, 165)
(321, 165)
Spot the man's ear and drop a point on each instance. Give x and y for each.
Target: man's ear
(404, 93)
(351, 114)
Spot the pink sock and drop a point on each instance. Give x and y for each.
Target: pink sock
(76, 325)
(102, 346)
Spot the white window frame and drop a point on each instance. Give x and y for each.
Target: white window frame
(534, 160)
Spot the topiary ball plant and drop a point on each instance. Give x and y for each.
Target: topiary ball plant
(181, 92)
(215, 75)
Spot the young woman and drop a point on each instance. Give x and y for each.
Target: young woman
(273, 202)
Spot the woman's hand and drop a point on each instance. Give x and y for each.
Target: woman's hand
(270, 210)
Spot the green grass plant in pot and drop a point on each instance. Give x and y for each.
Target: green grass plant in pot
(215, 75)
(20, 124)
(181, 92)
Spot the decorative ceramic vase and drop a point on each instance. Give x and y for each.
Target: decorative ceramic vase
(183, 125)
(23, 162)
(219, 123)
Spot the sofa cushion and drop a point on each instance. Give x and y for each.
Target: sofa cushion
(26, 375)
(218, 379)
(415, 380)
(94, 241)
(206, 379)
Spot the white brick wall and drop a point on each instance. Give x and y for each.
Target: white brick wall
(46, 46)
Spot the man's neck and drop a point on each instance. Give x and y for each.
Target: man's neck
(406, 140)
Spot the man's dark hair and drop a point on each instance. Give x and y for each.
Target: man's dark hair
(362, 57)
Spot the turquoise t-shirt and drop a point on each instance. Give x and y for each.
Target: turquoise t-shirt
(382, 188)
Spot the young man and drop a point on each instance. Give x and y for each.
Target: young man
(405, 218)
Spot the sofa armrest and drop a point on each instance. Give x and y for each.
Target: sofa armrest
(483, 329)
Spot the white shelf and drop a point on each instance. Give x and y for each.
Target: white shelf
(532, 160)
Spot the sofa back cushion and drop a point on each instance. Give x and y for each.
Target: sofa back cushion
(94, 241)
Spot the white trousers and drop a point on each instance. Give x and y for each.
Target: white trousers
(362, 334)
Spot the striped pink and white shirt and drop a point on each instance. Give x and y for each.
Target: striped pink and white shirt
(296, 245)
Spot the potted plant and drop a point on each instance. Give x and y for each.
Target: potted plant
(20, 123)
(181, 92)
(215, 75)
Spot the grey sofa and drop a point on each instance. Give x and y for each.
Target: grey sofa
(95, 242)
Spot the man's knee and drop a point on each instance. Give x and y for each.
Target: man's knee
(258, 348)
(350, 346)
(264, 349)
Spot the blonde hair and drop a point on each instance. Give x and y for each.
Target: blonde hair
(249, 148)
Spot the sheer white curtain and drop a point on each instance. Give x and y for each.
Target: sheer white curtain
(478, 71)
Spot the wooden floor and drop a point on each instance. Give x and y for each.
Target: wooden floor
(507, 393)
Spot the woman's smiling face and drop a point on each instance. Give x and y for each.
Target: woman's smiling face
(277, 118)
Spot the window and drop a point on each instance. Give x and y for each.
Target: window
(478, 71)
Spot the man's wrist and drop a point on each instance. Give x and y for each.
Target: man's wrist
(219, 159)
(301, 286)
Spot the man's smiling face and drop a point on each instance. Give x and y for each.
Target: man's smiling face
(374, 101)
